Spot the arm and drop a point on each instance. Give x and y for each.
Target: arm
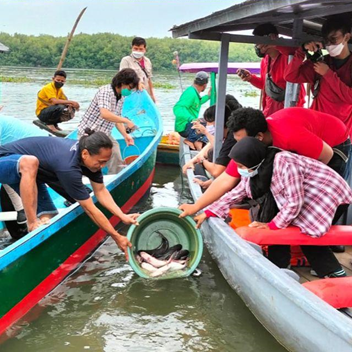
(151, 89)
(218, 188)
(105, 199)
(56, 101)
(298, 71)
(195, 160)
(326, 154)
(128, 138)
(102, 222)
(258, 81)
(342, 90)
(203, 130)
(214, 169)
(109, 116)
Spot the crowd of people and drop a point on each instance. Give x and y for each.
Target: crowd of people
(289, 165)
(31, 158)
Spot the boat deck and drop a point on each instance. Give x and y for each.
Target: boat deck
(345, 260)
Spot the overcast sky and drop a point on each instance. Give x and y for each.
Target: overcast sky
(145, 18)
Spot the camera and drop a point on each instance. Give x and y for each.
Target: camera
(316, 57)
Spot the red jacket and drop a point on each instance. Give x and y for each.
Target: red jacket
(277, 69)
(335, 87)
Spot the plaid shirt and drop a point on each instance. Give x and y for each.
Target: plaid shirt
(105, 98)
(306, 191)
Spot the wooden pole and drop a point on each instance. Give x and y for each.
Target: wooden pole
(68, 41)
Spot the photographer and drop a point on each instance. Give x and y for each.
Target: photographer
(331, 75)
(271, 79)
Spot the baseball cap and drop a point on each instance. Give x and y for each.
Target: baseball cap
(201, 78)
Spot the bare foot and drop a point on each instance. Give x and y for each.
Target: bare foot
(190, 144)
(45, 219)
(53, 128)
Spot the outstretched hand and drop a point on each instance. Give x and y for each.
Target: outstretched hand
(259, 225)
(188, 209)
(123, 243)
(199, 219)
(130, 219)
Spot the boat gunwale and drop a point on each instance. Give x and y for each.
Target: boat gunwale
(319, 310)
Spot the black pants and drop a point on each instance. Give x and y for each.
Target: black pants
(52, 114)
(321, 258)
(337, 163)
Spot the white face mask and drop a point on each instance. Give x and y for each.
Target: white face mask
(137, 54)
(334, 50)
(247, 173)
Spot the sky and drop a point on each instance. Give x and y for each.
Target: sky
(145, 18)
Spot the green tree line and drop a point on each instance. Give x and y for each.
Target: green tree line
(105, 50)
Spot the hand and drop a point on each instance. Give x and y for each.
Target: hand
(75, 105)
(188, 209)
(129, 140)
(199, 219)
(203, 184)
(123, 243)
(259, 225)
(140, 86)
(321, 68)
(244, 74)
(130, 124)
(209, 91)
(200, 129)
(313, 46)
(34, 225)
(187, 166)
(130, 219)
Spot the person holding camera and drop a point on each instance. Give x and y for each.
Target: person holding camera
(330, 75)
(271, 80)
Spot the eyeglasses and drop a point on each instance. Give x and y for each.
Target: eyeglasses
(334, 39)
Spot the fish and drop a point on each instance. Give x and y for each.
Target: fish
(172, 250)
(173, 266)
(161, 249)
(148, 267)
(182, 254)
(153, 261)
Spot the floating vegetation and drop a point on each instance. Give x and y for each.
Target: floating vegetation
(97, 82)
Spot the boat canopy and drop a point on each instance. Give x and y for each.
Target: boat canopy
(3, 48)
(232, 67)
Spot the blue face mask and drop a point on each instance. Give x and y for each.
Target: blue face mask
(126, 92)
(247, 173)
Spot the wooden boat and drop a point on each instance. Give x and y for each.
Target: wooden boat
(32, 266)
(296, 317)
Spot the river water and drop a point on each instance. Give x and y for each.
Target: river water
(104, 306)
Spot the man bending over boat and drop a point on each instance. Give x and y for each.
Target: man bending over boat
(53, 106)
(66, 161)
(298, 191)
(104, 113)
(310, 133)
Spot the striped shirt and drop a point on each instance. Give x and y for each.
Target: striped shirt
(306, 191)
(104, 98)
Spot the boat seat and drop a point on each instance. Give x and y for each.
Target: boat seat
(337, 291)
(337, 235)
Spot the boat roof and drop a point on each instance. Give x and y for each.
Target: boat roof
(3, 48)
(284, 14)
(253, 67)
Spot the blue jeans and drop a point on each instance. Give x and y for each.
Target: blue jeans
(10, 175)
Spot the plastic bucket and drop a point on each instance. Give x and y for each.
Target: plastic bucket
(175, 230)
(131, 158)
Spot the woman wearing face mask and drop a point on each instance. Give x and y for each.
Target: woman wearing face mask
(53, 106)
(105, 110)
(291, 190)
(331, 78)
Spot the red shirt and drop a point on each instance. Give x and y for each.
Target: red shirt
(335, 87)
(276, 70)
(302, 131)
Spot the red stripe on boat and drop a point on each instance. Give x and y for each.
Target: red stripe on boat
(52, 280)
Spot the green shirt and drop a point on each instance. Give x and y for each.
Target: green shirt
(187, 108)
